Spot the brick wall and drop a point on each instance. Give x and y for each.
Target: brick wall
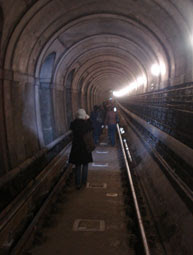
(170, 110)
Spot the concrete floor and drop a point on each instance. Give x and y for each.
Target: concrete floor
(104, 229)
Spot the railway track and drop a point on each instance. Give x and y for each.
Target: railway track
(167, 200)
(144, 248)
(172, 171)
(19, 220)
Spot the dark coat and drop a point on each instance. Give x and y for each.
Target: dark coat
(79, 154)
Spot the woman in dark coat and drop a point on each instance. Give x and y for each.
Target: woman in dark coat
(79, 154)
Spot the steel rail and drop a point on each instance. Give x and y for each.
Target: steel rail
(139, 218)
(127, 150)
(172, 176)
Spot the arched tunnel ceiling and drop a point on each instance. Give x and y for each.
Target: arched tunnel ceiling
(108, 43)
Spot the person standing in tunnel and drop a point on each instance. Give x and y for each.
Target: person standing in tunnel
(79, 154)
(111, 120)
(97, 120)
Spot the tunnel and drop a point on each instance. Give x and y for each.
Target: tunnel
(58, 56)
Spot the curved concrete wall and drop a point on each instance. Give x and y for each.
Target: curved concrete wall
(107, 43)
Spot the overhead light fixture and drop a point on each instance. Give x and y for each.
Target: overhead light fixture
(156, 69)
(141, 80)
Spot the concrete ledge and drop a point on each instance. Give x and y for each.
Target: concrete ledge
(14, 172)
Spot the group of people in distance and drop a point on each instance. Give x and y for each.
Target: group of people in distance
(104, 116)
(101, 116)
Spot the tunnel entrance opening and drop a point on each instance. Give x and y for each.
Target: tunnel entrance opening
(46, 100)
(69, 97)
(3, 144)
(1, 28)
(79, 92)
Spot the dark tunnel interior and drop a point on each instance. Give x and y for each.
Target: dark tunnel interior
(57, 56)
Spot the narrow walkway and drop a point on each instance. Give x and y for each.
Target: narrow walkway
(91, 220)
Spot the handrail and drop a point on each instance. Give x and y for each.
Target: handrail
(13, 172)
(139, 218)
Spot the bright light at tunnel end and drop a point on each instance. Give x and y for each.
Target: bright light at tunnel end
(156, 70)
(142, 80)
